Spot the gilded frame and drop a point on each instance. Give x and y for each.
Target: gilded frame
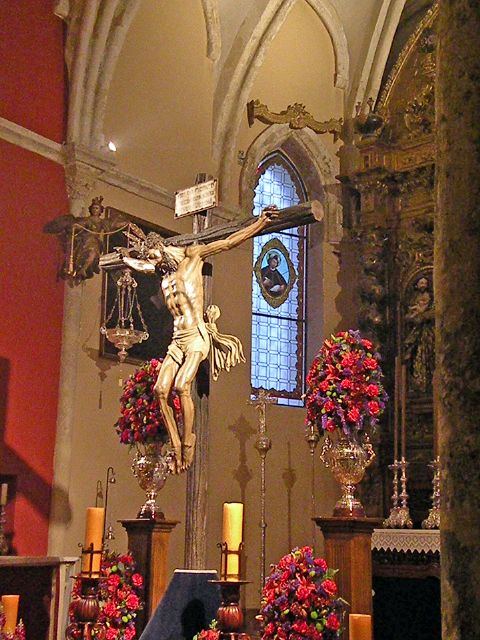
(275, 248)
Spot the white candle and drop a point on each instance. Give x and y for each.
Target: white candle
(435, 415)
(404, 410)
(4, 494)
(396, 407)
(93, 536)
(232, 535)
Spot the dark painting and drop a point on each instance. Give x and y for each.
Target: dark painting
(156, 316)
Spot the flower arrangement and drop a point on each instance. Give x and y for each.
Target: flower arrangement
(212, 633)
(299, 599)
(344, 385)
(18, 634)
(120, 595)
(141, 421)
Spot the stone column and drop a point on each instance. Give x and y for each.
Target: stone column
(457, 298)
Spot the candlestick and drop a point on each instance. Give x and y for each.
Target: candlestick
(85, 610)
(232, 536)
(394, 518)
(404, 411)
(93, 540)
(433, 519)
(4, 494)
(10, 609)
(396, 404)
(435, 414)
(263, 444)
(360, 626)
(404, 518)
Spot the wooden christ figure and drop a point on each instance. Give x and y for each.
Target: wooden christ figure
(194, 336)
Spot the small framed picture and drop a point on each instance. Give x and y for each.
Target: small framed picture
(275, 272)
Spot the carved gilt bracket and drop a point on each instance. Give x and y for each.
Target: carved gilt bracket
(295, 115)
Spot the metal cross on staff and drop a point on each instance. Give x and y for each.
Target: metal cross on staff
(263, 444)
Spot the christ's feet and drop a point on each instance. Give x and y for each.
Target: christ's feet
(188, 450)
(175, 463)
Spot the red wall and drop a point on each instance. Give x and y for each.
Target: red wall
(32, 191)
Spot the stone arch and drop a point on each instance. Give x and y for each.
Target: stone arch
(96, 32)
(212, 26)
(304, 149)
(233, 88)
(378, 51)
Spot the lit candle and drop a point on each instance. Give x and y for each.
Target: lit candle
(404, 411)
(232, 535)
(10, 609)
(4, 494)
(360, 626)
(435, 415)
(396, 405)
(93, 536)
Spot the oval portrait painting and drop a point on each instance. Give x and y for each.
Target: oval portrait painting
(275, 272)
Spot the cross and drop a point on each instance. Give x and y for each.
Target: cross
(260, 402)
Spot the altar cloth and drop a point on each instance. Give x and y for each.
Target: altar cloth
(189, 604)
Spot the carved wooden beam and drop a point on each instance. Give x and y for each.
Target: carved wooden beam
(303, 213)
(295, 115)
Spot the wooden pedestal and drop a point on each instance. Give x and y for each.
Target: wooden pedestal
(148, 541)
(348, 548)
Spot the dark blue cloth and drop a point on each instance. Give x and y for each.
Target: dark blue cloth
(189, 605)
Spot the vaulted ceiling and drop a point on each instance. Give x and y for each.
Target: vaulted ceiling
(167, 79)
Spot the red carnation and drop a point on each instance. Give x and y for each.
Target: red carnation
(367, 344)
(320, 562)
(113, 581)
(330, 425)
(323, 386)
(301, 627)
(111, 634)
(329, 406)
(353, 415)
(349, 359)
(129, 633)
(346, 384)
(132, 601)
(373, 408)
(370, 363)
(333, 622)
(137, 580)
(372, 390)
(330, 587)
(110, 610)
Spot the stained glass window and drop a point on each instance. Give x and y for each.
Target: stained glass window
(278, 331)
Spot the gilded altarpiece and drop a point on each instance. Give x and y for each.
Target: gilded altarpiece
(393, 230)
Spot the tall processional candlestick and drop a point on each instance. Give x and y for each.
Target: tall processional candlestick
(404, 517)
(263, 444)
(393, 519)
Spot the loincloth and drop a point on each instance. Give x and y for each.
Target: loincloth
(226, 351)
(185, 341)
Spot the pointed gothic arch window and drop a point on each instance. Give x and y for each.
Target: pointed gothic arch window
(278, 300)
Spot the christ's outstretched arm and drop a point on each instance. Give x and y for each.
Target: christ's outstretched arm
(264, 219)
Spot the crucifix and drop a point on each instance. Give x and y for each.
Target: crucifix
(180, 261)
